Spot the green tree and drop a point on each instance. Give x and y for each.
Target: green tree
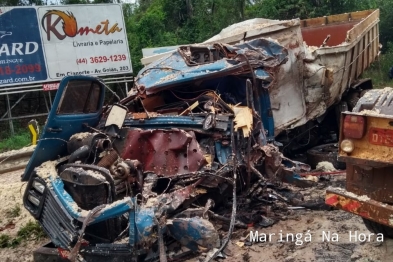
(155, 23)
(386, 18)
(289, 9)
(22, 2)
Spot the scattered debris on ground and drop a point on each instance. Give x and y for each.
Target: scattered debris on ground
(240, 248)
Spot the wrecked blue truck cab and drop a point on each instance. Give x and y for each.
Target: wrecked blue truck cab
(124, 182)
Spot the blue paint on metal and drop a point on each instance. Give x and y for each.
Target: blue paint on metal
(289, 164)
(193, 232)
(141, 222)
(144, 221)
(132, 228)
(166, 122)
(121, 207)
(164, 50)
(173, 70)
(266, 113)
(54, 144)
(222, 152)
(66, 200)
(262, 74)
(292, 178)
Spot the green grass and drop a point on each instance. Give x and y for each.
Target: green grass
(379, 70)
(4, 241)
(21, 139)
(13, 212)
(30, 231)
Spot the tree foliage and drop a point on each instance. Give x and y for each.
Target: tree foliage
(154, 23)
(22, 2)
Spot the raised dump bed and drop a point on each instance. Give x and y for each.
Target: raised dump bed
(346, 44)
(326, 56)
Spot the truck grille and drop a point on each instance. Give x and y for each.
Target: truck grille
(57, 223)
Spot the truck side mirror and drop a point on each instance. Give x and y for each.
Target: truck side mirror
(116, 116)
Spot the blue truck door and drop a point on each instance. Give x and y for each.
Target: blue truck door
(76, 107)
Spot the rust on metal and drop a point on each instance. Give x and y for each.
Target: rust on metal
(373, 182)
(164, 152)
(108, 159)
(375, 150)
(314, 36)
(360, 205)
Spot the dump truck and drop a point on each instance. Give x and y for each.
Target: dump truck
(326, 57)
(126, 180)
(366, 140)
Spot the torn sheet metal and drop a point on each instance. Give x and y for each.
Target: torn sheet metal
(173, 69)
(243, 119)
(361, 205)
(164, 152)
(195, 233)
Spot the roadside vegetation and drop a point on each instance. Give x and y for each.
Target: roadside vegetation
(13, 212)
(379, 71)
(20, 139)
(30, 231)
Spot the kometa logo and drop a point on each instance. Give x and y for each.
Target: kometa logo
(70, 25)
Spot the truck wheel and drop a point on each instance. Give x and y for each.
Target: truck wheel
(376, 228)
(326, 152)
(352, 99)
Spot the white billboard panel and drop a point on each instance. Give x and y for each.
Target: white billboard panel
(46, 43)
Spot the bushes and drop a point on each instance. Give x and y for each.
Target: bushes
(379, 70)
(19, 140)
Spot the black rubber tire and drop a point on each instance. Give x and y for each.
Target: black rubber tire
(376, 228)
(352, 99)
(326, 152)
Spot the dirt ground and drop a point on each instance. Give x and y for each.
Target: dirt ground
(11, 192)
(241, 247)
(317, 249)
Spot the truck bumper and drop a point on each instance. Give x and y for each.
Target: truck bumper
(106, 253)
(360, 205)
(48, 253)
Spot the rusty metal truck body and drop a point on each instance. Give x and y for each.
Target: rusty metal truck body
(366, 147)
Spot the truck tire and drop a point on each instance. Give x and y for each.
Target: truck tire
(376, 228)
(352, 99)
(326, 152)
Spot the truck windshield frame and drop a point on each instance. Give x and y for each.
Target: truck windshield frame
(80, 97)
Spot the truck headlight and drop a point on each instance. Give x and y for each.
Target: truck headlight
(34, 200)
(38, 186)
(347, 146)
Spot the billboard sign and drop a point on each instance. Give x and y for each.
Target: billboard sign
(45, 43)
